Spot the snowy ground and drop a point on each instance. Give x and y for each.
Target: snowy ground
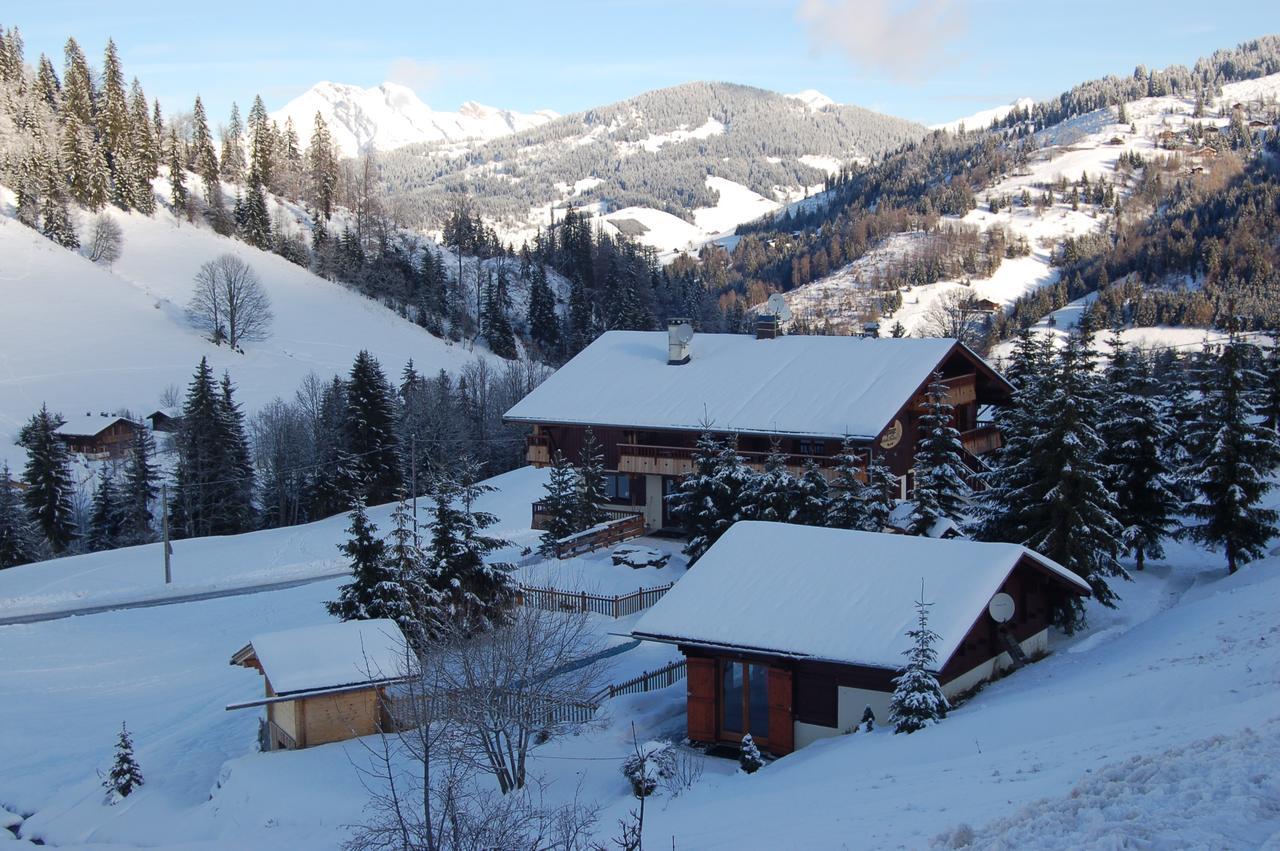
(81, 337)
(1156, 727)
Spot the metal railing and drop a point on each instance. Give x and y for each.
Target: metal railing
(619, 606)
(665, 676)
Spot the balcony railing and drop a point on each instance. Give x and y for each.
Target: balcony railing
(678, 460)
(961, 390)
(613, 512)
(981, 440)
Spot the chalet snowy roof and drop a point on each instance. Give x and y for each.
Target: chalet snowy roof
(330, 655)
(87, 425)
(804, 385)
(833, 594)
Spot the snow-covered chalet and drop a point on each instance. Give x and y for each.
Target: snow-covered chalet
(792, 633)
(649, 395)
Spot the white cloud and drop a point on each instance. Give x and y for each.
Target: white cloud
(907, 40)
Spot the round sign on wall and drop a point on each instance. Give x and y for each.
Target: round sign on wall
(892, 436)
(1001, 608)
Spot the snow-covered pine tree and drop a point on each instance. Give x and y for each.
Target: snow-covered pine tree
(105, 515)
(1231, 458)
(813, 494)
(55, 217)
(113, 126)
(772, 495)
(406, 564)
(544, 328)
(78, 93)
(494, 323)
(847, 500)
(918, 700)
(558, 503)
(1269, 393)
(322, 170)
(179, 198)
(749, 758)
(882, 492)
(940, 492)
(231, 164)
(370, 429)
(255, 219)
(213, 477)
(589, 494)
(145, 154)
(205, 160)
(238, 470)
(1135, 440)
(125, 776)
(18, 541)
(140, 476)
(470, 593)
(261, 141)
(373, 591)
(48, 497)
(706, 502)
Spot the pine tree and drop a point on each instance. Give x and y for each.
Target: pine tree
(206, 161)
(232, 160)
(261, 141)
(253, 217)
(140, 490)
(813, 496)
(749, 758)
(78, 95)
(558, 503)
(370, 429)
(55, 218)
(237, 470)
(1135, 437)
(917, 698)
(105, 516)
(178, 196)
(83, 163)
(847, 503)
(18, 540)
(114, 126)
(322, 170)
(126, 775)
(213, 477)
(469, 593)
(406, 566)
(1049, 485)
(940, 490)
(882, 492)
(1232, 457)
(145, 152)
(772, 495)
(48, 496)
(544, 328)
(707, 501)
(374, 590)
(494, 323)
(589, 494)
(1269, 401)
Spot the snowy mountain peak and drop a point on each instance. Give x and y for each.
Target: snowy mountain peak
(813, 99)
(982, 120)
(392, 115)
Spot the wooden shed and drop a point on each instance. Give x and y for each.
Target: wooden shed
(792, 632)
(325, 683)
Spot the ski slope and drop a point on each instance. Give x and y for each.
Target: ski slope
(83, 338)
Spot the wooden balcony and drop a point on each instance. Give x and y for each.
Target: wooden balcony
(678, 460)
(613, 512)
(981, 440)
(537, 450)
(961, 390)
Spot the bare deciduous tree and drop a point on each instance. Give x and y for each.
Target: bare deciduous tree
(955, 314)
(229, 302)
(106, 240)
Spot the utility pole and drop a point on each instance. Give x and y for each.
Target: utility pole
(164, 525)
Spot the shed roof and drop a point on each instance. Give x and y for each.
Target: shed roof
(328, 656)
(803, 385)
(833, 594)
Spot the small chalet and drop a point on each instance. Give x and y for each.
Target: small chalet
(165, 420)
(791, 632)
(648, 397)
(100, 436)
(325, 683)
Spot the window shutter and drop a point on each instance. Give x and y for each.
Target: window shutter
(701, 680)
(781, 720)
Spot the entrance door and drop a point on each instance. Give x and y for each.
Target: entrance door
(744, 701)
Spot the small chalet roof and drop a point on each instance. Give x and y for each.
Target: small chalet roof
(803, 385)
(327, 656)
(88, 425)
(834, 595)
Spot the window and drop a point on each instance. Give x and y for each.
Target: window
(617, 487)
(813, 447)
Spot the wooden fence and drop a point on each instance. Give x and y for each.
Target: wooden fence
(604, 535)
(555, 600)
(665, 676)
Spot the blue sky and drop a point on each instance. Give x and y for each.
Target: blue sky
(930, 60)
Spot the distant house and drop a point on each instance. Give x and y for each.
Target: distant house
(648, 396)
(325, 683)
(165, 421)
(98, 436)
(791, 632)
(985, 305)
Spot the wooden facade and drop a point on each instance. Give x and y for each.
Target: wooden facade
(99, 437)
(809, 698)
(644, 465)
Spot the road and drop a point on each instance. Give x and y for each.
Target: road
(38, 617)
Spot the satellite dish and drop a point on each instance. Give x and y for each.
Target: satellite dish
(1001, 608)
(777, 305)
(683, 333)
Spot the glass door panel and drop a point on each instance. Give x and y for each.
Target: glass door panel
(758, 701)
(732, 697)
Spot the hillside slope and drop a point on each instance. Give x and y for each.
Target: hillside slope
(80, 337)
